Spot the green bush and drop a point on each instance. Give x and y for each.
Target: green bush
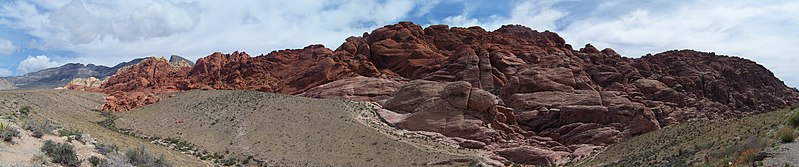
(71, 134)
(8, 133)
(786, 134)
(25, 110)
(95, 161)
(66, 132)
(793, 120)
(106, 149)
(62, 153)
(140, 157)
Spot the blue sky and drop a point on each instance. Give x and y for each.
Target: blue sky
(37, 34)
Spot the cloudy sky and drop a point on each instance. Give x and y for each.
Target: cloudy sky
(37, 34)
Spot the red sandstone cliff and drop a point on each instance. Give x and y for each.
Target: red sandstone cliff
(525, 94)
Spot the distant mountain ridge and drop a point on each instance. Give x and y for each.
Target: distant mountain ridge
(60, 76)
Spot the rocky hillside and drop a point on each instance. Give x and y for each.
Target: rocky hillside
(528, 96)
(66, 74)
(59, 76)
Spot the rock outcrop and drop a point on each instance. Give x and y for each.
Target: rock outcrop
(358, 88)
(526, 95)
(179, 62)
(454, 109)
(90, 84)
(140, 84)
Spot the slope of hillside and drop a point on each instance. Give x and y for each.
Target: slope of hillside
(697, 143)
(77, 110)
(281, 130)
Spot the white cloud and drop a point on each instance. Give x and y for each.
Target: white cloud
(5, 72)
(108, 32)
(7, 47)
(534, 14)
(764, 32)
(35, 63)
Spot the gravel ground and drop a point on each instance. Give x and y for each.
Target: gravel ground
(279, 129)
(783, 154)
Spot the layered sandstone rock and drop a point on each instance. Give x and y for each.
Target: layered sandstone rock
(357, 88)
(526, 95)
(454, 109)
(140, 84)
(86, 84)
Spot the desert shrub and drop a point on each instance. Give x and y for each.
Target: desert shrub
(39, 128)
(793, 120)
(786, 134)
(25, 110)
(67, 132)
(8, 133)
(71, 134)
(96, 161)
(140, 157)
(62, 153)
(108, 122)
(106, 149)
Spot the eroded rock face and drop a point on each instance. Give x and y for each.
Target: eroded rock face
(85, 84)
(526, 95)
(454, 109)
(140, 84)
(357, 88)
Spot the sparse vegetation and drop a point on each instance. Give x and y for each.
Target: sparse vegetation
(106, 149)
(140, 157)
(70, 134)
(108, 122)
(793, 120)
(62, 153)
(95, 161)
(25, 110)
(7, 133)
(39, 128)
(698, 143)
(786, 134)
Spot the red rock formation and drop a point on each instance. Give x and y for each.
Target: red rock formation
(358, 88)
(140, 84)
(534, 99)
